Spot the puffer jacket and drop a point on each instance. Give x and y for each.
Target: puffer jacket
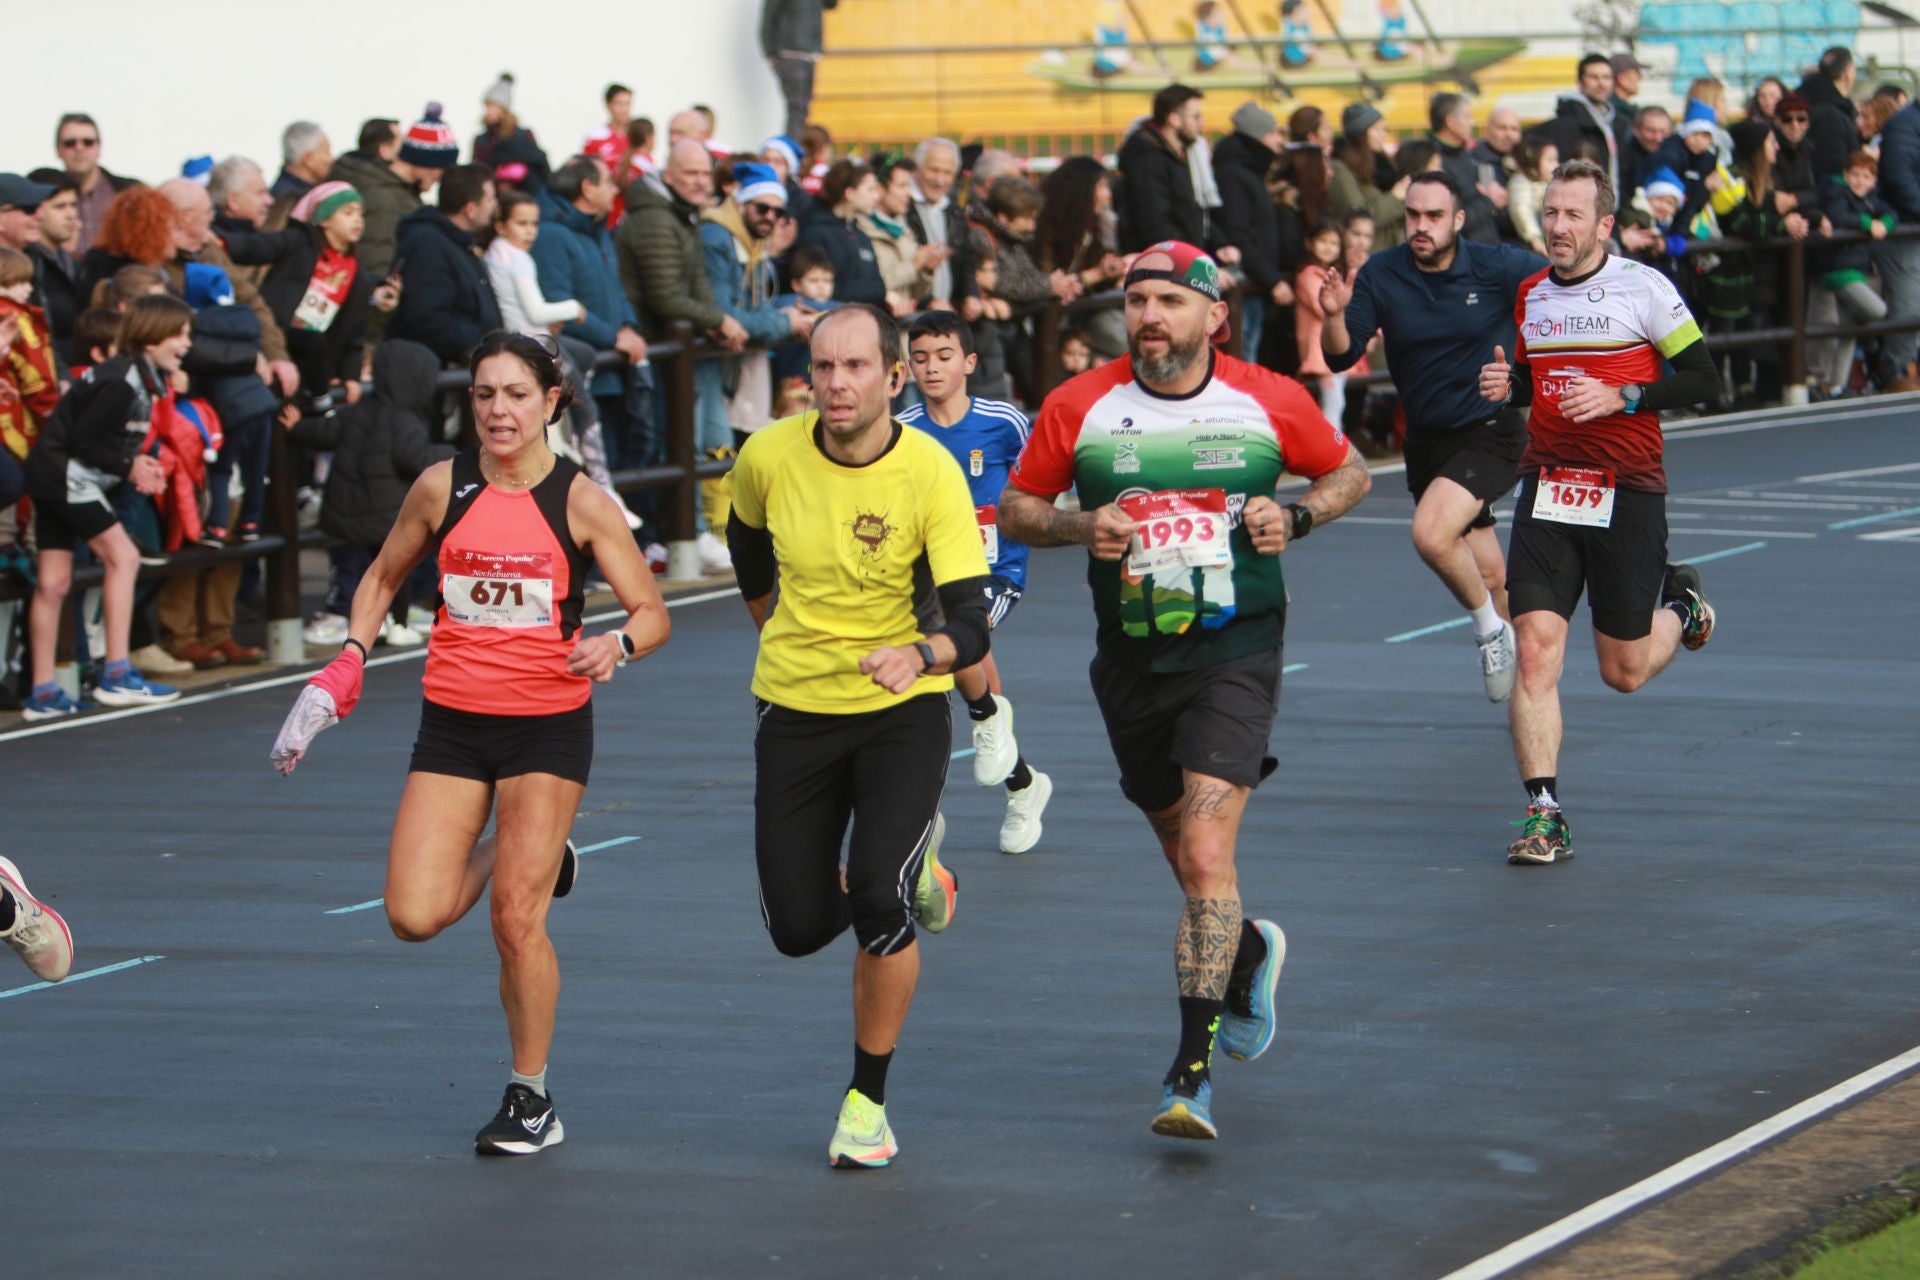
(575, 259)
(661, 262)
(380, 446)
(856, 271)
(447, 302)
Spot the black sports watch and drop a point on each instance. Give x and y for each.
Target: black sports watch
(1302, 521)
(1631, 395)
(626, 648)
(926, 655)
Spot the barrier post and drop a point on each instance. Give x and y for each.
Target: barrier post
(284, 643)
(1046, 348)
(683, 557)
(1793, 390)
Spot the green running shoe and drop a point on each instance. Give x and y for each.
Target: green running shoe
(938, 889)
(1545, 837)
(862, 1139)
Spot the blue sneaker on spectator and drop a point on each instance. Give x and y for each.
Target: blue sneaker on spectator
(49, 705)
(130, 689)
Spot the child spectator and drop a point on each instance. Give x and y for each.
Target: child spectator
(87, 447)
(1533, 160)
(989, 376)
(1076, 353)
(816, 146)
(515, 279)
(94, 334)
(810, 276)
(380, 447)
(1356, 238)
(1852, 203)
(116, 292)
(1656, 208)
(1689, 153)
(1326, 246)
(29, 381)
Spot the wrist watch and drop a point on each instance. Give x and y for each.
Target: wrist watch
(1302, 521)
(1631, 395)
(626, 648)
(927, 657)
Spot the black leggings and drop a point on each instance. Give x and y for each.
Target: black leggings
(884, 770)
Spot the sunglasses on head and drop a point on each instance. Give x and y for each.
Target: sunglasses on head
(68, 144)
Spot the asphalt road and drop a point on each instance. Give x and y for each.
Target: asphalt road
(1468, 1050)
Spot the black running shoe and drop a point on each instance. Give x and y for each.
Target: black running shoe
(1683, 586)
(569, 871)
(525, 1125)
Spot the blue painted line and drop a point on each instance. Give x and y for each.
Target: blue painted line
(1292, 667)
(381, 902)
(1740, 550)
(1448, 625)
(1890, 515)
(358, 906)
(605, 844)
(72, 978)
(961, 755)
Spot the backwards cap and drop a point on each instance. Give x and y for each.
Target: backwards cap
(1183, 264)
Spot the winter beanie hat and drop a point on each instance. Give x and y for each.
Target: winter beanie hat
(1357, 118)
(1254, 120)
(757, 182)
(1749, 137)
(324, 201)
(501, 92)
(787, 149)
(1663, 182)
(429, 143)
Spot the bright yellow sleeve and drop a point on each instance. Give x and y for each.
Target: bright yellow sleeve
(954, 548)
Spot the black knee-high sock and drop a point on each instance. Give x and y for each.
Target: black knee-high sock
(870, 1074)
(1199, 1019)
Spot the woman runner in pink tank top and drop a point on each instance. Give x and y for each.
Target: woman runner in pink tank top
(506, 728)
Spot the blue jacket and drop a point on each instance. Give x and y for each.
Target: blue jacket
(1440, 326)
(1900, 163)
(574, 257)
(765, 324)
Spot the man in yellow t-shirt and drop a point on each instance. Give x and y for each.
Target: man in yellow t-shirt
(858, 517)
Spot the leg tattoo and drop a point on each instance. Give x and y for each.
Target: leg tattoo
(1204, 948)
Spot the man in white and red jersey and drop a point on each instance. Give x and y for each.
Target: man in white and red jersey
(1175, 451)
(1591, 512)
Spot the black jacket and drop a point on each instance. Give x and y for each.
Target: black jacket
(293, 254)
(856, 274)
(1154, 196)
(1793, 174)
(56, 287)
(1833, 132)
(1574, 127)
(379, 445)
(99, 424)
(1458, 163)
(1248, 218)
(446, 302)
(516, 149)
(1849, 212)
(962, 262)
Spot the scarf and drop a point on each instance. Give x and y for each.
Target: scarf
(746, 249)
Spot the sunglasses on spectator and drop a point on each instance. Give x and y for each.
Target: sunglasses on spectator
(69, 144)
(770, 210)
(1793, 119)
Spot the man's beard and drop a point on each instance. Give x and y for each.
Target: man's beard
(1178, 360)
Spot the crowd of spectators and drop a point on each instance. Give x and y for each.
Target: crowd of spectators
(394, 258)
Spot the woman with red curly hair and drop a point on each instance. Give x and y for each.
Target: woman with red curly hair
(138, 228)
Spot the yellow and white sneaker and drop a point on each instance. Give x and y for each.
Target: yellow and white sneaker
(862, 1139)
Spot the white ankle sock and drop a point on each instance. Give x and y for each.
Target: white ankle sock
(536, 1083)
(1486, 619)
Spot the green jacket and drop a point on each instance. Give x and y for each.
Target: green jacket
(388, 198)
(1345, 193)
(662, 264)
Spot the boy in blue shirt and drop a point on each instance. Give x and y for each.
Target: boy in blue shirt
(985, 438)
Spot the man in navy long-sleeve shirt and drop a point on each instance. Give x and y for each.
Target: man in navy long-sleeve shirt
(1441, 302)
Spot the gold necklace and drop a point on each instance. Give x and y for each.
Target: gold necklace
(500, 481)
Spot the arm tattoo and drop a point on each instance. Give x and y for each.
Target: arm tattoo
(1340, 490)
(1033, 520)
(1204, 948)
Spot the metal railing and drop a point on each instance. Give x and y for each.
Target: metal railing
(677, 479)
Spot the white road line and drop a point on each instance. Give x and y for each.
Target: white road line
(1889, 515)
(1881, 484)
(1722, 555)
(1745, 533)
(1552, 1236)
(1862, 472)
(1796, 505)
(297, 677)
(1911, 534)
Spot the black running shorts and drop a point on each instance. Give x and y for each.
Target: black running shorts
(883, 771)
(1214, 721)
(63, 522)
(467, 744)
(1621, 567)
(1002, 595)
(1480, 458)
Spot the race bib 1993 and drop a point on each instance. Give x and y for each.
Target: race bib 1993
(1179, 529)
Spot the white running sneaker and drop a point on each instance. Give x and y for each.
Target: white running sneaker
(400, 635)
(37, 933)
(152, 660)
(1498, 662)
(1021, 829)
(326, 629)
(994, 750)
(419, 618)
(714, 557)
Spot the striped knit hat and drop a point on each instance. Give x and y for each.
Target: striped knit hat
(323, 201)
(430, 143)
